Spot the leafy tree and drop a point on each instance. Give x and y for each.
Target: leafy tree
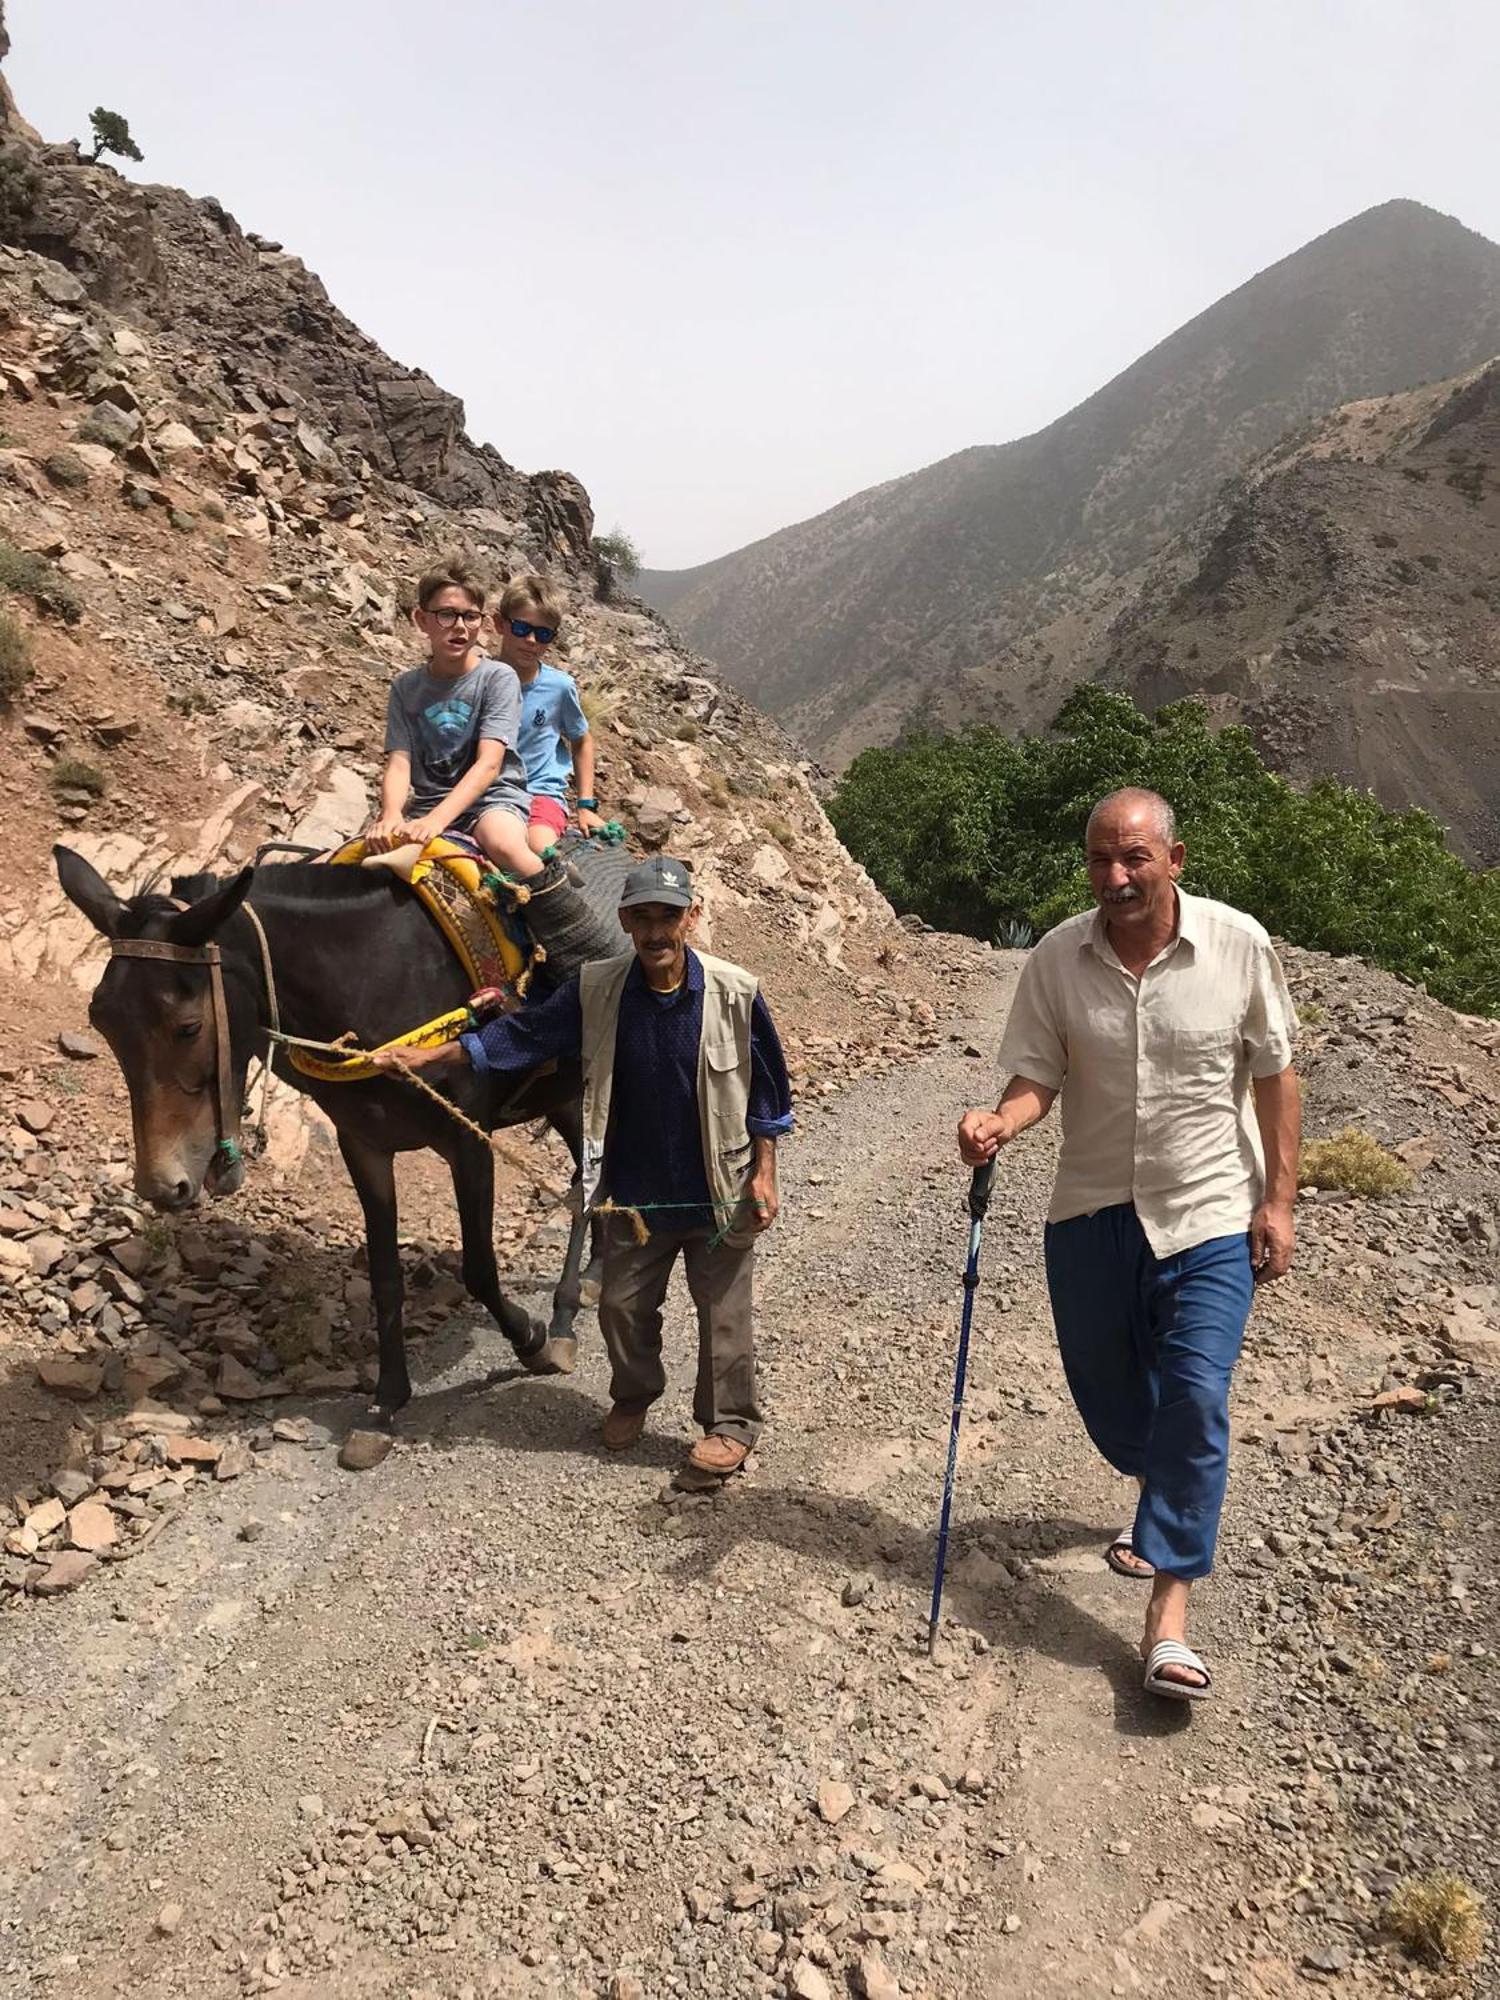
(617, 560)
(981, 831)
(112, 135)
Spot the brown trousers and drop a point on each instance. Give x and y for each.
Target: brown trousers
(719, 1279)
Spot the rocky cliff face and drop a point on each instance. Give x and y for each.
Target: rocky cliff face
(973, 589)
(241, 324)
(1341, 598)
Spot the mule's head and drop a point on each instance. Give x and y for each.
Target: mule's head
(157, 1015)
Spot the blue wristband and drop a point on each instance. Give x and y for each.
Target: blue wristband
(587, 805)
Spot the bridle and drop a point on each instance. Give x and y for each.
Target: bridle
(227, 1118)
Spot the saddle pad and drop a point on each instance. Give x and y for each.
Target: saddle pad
(447, 877)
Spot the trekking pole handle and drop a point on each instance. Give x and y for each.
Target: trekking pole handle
(979, 1190)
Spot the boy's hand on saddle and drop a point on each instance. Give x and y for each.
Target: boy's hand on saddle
(590, 823)
(424, 829)
(446, 1055)
(384, 834)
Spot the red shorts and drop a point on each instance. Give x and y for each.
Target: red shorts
(548, 812)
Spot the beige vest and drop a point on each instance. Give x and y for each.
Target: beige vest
(723, 1074)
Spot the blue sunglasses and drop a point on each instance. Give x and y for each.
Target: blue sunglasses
(543, 634)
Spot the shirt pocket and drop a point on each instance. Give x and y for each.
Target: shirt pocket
(1198, 1063)
(723, 1060)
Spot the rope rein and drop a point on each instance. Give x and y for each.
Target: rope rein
(272, 1033)
(633, 1212)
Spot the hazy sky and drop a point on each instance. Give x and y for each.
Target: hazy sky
(731, 262)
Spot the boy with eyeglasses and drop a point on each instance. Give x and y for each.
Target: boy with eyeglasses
(555, 742)
(451, 732)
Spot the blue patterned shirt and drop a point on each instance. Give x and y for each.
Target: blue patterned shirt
(653, 1155)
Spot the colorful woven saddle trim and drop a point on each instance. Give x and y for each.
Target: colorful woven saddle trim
(448, 878)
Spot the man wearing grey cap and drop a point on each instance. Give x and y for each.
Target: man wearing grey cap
(685, 1093)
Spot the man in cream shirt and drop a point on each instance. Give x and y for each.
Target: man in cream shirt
(1164, 1022)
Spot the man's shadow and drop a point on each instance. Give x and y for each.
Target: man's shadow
(1028, 1611)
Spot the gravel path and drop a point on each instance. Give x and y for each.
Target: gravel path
(504, 1716)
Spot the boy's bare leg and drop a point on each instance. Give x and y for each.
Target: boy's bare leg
(539, 837)
(502, 835)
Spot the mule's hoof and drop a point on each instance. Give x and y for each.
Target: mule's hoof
(362, 1451)
(553, 1357)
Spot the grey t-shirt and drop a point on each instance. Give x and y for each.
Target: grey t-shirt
(440, 720)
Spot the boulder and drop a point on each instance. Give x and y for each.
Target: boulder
(65, 1376)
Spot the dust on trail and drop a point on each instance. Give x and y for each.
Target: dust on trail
(500, 1718)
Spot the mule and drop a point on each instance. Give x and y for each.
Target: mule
(186, 1000)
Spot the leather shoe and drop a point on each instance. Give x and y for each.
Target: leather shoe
(623, 1428)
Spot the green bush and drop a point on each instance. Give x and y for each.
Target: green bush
(15, 658)
(978, 829)
(31, 575)
(20, 183)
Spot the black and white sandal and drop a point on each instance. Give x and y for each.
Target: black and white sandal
(1172, 1653)
(1123, 1545)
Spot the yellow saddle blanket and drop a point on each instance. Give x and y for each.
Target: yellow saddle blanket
(448, 880)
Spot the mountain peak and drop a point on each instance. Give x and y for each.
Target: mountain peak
(971, 588)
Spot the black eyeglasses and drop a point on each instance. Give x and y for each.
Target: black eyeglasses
(450, 615)
(543, 634)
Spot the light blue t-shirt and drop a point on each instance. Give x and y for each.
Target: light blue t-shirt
(552, 719)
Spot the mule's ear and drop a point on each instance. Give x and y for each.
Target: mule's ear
(199, 923)
(88, 891)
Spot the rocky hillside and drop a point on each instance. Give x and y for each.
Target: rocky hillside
(214, 491)
(214, 494)
(974, 587)
(1341, 598)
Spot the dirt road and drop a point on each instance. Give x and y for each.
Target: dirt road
(503, 1716)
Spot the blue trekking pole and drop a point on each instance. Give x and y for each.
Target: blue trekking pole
(979, 1201)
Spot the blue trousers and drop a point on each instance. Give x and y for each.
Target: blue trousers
(1148, 1346)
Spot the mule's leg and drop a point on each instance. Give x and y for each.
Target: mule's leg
(473, 1169)
(374, 1176)
(562, 1341)
(575, 1285)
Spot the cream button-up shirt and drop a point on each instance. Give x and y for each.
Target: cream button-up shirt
(1154, 1071)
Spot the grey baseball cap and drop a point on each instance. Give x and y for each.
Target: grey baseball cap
(659, 880)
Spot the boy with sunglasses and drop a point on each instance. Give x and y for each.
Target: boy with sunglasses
(452, 726)
(555, 742)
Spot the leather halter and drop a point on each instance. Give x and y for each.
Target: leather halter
(226, 1119)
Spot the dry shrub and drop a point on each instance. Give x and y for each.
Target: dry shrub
(72, 774)
(31, 575)
(1351, 1159)
(599, 704)
(15, 658)
(1438, 1918)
